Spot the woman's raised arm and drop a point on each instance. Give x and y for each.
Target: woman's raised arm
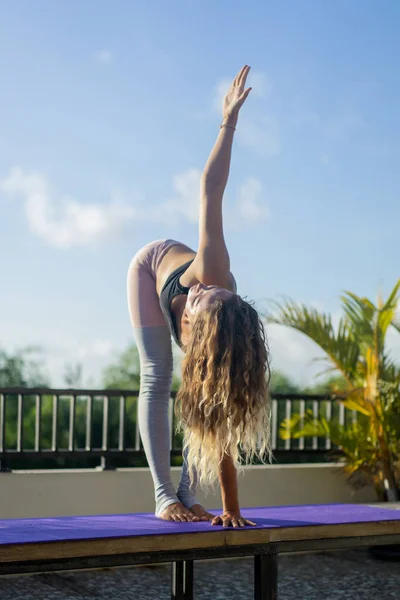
(212, 252)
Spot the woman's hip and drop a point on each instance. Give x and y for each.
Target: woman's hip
(143, 300)
(150, 256)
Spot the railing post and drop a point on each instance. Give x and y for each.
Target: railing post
(104, 466)
(104, 453)
(3, 462)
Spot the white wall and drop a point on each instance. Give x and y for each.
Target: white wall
(84, 492)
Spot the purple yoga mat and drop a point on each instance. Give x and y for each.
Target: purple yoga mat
(20, 531)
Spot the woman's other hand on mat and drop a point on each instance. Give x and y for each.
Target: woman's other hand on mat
(236, 95)
(179, 513)
(201, 512)
(231, 518)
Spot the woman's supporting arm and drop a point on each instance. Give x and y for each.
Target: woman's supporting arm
(229, 485)
(231, 514)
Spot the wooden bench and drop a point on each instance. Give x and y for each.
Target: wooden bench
(69, 543)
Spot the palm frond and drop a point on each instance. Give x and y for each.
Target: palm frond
(360, 314)
(394, 297)
(339, 346)
(389, 369)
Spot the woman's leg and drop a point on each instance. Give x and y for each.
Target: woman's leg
(187, 489)
(153, 340)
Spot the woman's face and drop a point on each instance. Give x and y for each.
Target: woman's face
(202, 296)
(199, 298)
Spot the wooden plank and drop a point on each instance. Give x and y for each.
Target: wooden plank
(157, 543)
(386, 505)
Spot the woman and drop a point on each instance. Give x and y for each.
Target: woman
(223, 396)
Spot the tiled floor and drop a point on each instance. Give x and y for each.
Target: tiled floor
(345, 575)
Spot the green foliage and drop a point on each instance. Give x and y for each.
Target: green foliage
(336, 384)
(73, 375)
(281, 383)
(124, 372)
(22, 369)
(369, 383)
(63, 422)
(363, 446)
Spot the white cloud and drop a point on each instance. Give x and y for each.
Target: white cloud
(293, 353)
(104, 57)
(250, 205)
(260, 134)
(260, 84)
(67, 223)
(94, 355)
(70, 223)
(93, 350)
(102, 347)
(185, 203)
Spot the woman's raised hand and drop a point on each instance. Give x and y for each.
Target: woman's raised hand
(236, 94)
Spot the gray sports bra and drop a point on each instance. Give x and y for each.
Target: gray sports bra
(170, 289)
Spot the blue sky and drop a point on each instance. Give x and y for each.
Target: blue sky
(109, 111)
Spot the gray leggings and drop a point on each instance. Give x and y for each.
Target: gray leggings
(153, 341)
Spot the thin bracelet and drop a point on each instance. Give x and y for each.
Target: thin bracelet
(227, 125)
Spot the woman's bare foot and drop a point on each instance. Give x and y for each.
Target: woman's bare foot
(201, 512)
(177, 512)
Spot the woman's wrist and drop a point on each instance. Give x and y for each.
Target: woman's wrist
(231, 507)
(230, 120)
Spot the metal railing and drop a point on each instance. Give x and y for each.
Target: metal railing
(57, 426)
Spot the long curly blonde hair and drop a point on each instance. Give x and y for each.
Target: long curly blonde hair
(223, 405)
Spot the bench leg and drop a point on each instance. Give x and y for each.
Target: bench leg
(266, 576)
(182, 580)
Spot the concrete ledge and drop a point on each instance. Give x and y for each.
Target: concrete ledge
(66, 492)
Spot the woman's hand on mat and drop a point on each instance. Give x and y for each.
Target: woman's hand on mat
(201, 512)
(231, 518)
(236, 95)
(177, 512)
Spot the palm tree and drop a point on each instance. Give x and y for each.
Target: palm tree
(369, 448)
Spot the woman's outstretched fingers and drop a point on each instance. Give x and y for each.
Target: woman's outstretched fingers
(233, 519)
(243, 97)
(246, 93)
(243, 76)
(236, 95)
(236, 81)
(177, 512)
(226, 521)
